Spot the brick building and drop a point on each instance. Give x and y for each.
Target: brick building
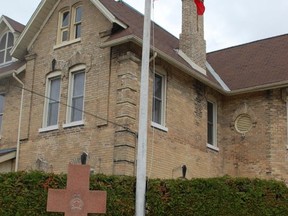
(218, 113)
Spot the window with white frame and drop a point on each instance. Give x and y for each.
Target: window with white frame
(1, 111)
(77, 19)
(76, 97)
(70, 23)
(52, 101)
(211, 123)
(159, 99)
(6, 44)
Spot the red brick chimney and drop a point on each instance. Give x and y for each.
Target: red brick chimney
(192, 41)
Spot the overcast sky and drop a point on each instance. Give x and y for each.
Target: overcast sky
(227, 22)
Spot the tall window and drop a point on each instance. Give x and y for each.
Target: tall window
(211, 123)
(76, 97)
(1, 110)
(64, 29)
(51, 109)
(6, 44)
(70, 22)
(158, 109)
(77, 22)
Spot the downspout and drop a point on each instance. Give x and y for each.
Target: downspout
(19, 122)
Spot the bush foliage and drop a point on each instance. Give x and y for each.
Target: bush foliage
(24, 194)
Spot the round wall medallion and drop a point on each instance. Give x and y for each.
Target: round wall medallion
(243, 123)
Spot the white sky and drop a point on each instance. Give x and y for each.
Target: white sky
(227, 22)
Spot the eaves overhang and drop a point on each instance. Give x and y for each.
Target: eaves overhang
(12, 69)
(32, 28)
(108, 14)
(220, 87)
(4, 22)
(188, 70)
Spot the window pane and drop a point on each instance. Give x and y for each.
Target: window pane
(3, 42)
(55, 89)
(78, 15)
(210, 112)
(78, 31)
(157, 111)
(210, 123)
(65, 35)
(158, 86)
(77, 96)
(2, 57)
(53, 114)
(210, 134)
(10, 40)
(8, 56)
(77, 104)
(1, 104)
(78, 84)
(65, 19)
(53, 105)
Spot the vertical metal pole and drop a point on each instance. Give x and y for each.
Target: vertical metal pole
(143, 115)
(19, 122)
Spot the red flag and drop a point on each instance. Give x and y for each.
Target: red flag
(200, 6)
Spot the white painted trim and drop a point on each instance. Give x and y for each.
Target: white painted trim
(42, 26)
(3, 19)
(215, 148)
(20, 69)
(78, 68)
(162, 73)
(217, 77)
(66, 43)
(158, 126)
(215, 113)
(49, 77)
(49, 128)
(73, 124)
(107, 13)
(190, 62)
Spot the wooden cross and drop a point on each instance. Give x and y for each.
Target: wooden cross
(77, 200)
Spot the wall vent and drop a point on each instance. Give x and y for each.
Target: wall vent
(243, 123)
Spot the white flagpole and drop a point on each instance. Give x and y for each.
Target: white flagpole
(143, 115)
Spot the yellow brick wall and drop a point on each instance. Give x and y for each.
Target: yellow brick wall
(112, 93)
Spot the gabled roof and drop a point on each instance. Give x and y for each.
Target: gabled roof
(165, 44)
(243, 68)
(9, 68)
(13, 25)
(253, 65)
(15, 67)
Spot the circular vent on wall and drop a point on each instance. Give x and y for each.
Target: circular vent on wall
(243, 123)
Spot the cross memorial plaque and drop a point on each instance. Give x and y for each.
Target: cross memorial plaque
(77, 199)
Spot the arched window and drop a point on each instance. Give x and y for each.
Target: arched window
(70, 22)
(52, 102)
(6, 44)
(76, 93)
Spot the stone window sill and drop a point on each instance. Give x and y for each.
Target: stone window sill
(73, 124)
(49, 128)
(160, 127)
(212, 147)
(66, 43)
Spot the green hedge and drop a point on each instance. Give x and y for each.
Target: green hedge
(25, 194)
